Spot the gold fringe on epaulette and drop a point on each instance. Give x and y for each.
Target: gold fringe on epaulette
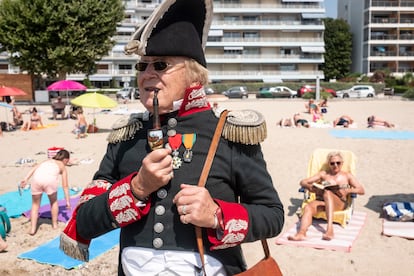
(124, 133)
(74, 248)
(248, 135)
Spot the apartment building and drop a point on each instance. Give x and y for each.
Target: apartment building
(249, 40)
(383, 34)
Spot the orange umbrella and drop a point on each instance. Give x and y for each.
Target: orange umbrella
(11, 91)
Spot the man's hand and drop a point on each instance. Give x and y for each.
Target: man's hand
(156, 171)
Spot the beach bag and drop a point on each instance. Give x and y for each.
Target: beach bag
(399, 211)
(265, 267)
(51, 152)
(4, 222)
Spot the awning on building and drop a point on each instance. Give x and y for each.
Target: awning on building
(313, 49)
(125, 29)
(233, 48)
(99, 78)
(313, 15)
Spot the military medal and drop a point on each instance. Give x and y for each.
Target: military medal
(175, 143)
(188, 141)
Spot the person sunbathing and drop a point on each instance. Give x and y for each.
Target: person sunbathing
(375, 121)
(286, 122)
(310, 105)
(328, 200)
(344, 121)
(35, 120)
(299, 121)
(58, 107)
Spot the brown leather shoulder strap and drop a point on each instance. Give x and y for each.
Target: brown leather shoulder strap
(202, 182)
(204, 175)
(212, 150)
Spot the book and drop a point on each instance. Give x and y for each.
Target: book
(324, 185)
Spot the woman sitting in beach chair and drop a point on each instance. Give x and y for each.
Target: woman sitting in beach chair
(330, 186)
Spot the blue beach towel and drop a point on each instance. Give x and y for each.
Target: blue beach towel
(372, 134)
(399, 211)
(49, 253)
(17, 204)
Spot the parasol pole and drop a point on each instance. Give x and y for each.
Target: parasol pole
(68, 104)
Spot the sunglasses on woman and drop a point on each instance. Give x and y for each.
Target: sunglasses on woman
(159, 66)
(338, 163)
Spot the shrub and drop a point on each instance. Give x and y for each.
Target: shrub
(312, 95)
(409, 94)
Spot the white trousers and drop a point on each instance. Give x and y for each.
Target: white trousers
(150, 262)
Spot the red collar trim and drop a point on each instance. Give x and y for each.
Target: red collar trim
(194, 101)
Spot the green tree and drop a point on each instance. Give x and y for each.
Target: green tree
(55, 37)
(338, 49)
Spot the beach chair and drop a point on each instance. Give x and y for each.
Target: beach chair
(318, 163)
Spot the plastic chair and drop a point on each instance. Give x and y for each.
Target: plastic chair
(318, 163)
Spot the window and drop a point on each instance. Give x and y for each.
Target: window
(251, 35)
(287, 67)
(125, 66)
(231, 18)
(232, 35)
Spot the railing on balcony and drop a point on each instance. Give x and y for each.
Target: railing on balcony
(264, 39)
(267, 22)
(384, 20)
(384, 36)
(244, 56)
(391, 3)
(267, 6)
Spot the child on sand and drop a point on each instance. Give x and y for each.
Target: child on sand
(81, 124)
(45, 180)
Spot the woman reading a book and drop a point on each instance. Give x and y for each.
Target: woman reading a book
(331, 187)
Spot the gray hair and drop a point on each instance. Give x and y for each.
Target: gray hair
(196, 72)
(333, 154)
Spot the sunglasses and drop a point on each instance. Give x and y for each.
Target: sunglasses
(335, 163)
(159, 66)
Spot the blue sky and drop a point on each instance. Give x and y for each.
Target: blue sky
(330, 6)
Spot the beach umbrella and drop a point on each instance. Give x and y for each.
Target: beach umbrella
(94, 100)
(66, 85)
(11, 91)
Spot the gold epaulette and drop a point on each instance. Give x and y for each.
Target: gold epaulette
(125, 128)
(246, 127)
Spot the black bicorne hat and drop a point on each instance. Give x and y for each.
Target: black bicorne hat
(175, 28)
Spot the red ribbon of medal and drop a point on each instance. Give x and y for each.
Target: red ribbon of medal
(175, 143)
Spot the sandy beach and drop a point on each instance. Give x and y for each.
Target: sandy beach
(384, 167)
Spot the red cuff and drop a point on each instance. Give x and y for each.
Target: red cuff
(121, 203)
(236, 225)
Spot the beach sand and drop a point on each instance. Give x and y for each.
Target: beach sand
(384, 167)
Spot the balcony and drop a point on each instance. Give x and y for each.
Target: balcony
(218, 75)
(384, 37)
(395, 3)
(269, 8)
(264, 59)
(384, 20)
